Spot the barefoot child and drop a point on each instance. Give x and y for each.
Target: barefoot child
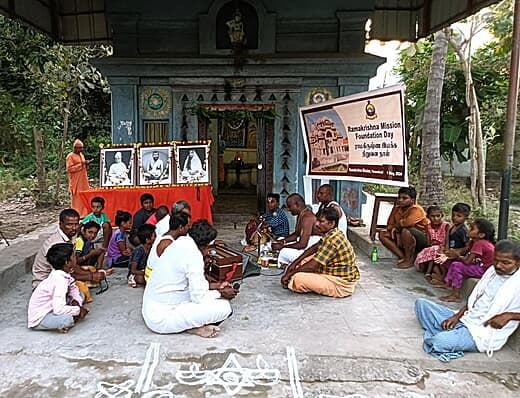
(405, 231)
(475, 261)
(118, 253)
(436, 236)
(136, 272)
(56, 303)
(105, 229)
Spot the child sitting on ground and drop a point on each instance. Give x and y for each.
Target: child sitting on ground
(118, 254)
(146, 235)
(56, 303)
(458, 233)
(105, 229)
(141, 215)
(436, 237)
(87, 254)
(471, 261)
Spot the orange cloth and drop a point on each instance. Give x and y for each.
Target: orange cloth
(326, 285)
(78, 181)
(414, 216)
(199, 197)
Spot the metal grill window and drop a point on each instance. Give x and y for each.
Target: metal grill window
(156, 131)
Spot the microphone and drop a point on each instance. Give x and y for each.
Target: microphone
(236, 286)
(212, 255)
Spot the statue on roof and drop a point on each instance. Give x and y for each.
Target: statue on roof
(236, 29)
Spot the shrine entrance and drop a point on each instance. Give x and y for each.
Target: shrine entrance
(242, 138)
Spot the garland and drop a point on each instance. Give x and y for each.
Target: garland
(232, 115)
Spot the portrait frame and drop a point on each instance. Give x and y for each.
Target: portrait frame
(200, 164)
(149, 169)
(107, 159)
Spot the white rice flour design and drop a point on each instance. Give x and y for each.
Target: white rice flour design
(232, 376)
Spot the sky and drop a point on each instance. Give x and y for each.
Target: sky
(390, 51)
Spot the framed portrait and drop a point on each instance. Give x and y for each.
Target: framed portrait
(155, 165)
(117, 166)
(192, 163)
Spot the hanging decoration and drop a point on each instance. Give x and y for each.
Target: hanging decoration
(286, 145)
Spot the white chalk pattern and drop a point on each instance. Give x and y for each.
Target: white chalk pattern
(232, 376)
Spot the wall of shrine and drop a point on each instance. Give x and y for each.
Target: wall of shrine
(177, 57)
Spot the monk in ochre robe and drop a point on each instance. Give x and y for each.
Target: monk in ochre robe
(77, 168)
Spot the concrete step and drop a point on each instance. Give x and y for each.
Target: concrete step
(360, 238)
(241, 220)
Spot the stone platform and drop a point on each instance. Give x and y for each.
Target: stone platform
(276, 344)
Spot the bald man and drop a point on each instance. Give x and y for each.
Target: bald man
(77, 168)
(303, 237)
(325, 196)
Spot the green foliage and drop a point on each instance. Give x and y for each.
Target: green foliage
(414, 71)
(490, 75)
(40, 83)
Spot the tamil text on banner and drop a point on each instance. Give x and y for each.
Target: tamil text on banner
(360, 137)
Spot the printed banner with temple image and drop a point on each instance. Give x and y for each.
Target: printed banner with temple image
(359, 138)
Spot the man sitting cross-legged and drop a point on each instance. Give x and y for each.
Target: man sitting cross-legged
(177, 297)
(485, 323)
(67, 229)
(302, 237)
(328, 267)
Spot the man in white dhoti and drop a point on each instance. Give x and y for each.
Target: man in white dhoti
(304, 235)
(118, 171)
(155, 168)
(177, 297)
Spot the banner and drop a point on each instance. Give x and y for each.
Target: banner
(359, 138)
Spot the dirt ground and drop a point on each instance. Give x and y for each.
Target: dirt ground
(20, 216)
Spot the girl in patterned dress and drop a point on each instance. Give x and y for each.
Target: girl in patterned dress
(437, 233)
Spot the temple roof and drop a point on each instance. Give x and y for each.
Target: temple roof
(83, 21)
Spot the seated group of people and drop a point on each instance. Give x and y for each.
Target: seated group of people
(449, 253)
(317, 257)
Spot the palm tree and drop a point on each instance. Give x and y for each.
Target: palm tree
(431, 187)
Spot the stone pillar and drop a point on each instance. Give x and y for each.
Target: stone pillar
(124, 110)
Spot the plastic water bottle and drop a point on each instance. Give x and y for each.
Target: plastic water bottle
(374, 256)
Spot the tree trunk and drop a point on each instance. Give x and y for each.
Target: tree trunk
(476, 141)
(61, 155)
(40, 162)
(432, 190)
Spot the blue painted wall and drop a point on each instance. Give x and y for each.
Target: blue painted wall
(303, 46)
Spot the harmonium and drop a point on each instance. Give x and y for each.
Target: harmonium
(225, 264)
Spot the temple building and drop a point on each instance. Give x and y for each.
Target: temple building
(234, 71)
(329, 145)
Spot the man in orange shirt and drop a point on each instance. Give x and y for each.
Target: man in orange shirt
(405, 233)
(77, 168)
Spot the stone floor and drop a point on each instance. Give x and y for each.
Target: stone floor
(276, 344)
